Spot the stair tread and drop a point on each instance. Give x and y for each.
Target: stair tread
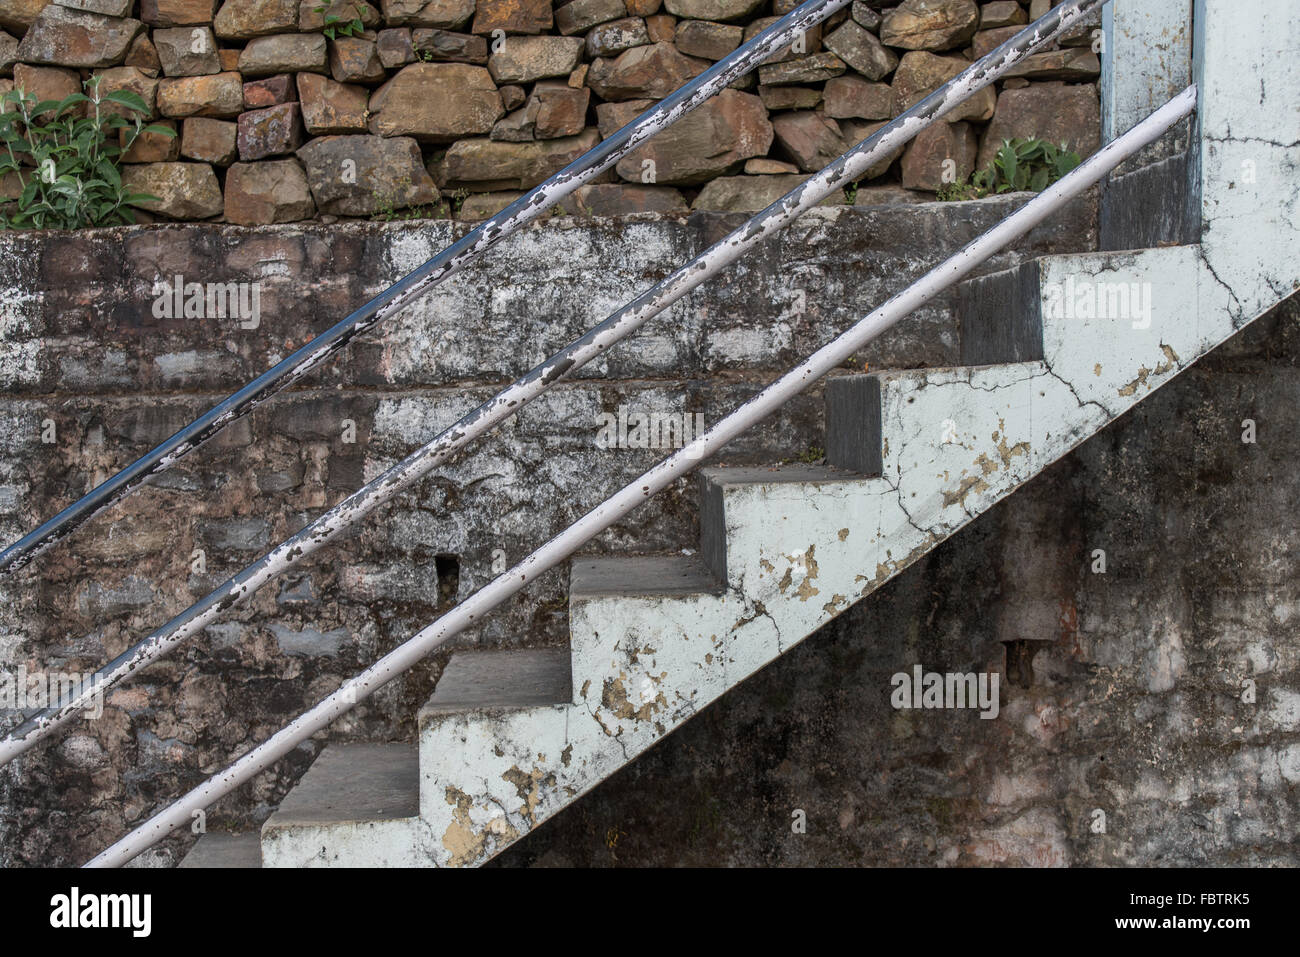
(640, 575)
(778, 474)
(502, 678)
(225, 850)
(354, 782)
(957, 373)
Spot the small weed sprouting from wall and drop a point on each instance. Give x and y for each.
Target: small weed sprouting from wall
(1020, 165)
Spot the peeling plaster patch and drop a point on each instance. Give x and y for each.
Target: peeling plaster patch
(885, 570)
(616, 700)
(958, 497)
(1008, 453)
(529, 786)
(808, 565)
(1144, 373)
(833, 606)
(465, 845)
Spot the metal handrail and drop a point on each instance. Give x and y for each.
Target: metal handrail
(509, 400)
(526, 208)
(635, 493)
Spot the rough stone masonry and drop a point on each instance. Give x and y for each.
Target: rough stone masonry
(293, 110)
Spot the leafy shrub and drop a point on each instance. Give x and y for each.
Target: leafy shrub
(65, 155)
(1020, 165)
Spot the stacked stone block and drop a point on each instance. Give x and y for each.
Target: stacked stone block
(290, 110)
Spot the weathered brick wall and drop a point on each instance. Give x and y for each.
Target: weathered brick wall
(447, 108)
(91, 377)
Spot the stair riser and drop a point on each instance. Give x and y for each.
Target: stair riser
(853, 424)
(362, 844)
(998, 317)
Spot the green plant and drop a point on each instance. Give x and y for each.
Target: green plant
(336, 26)
(958, 191)
(388, 208)
(65, 154)
(1019, 165)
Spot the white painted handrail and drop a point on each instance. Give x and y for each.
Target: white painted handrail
(559, 548)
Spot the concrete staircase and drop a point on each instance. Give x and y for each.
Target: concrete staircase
(1050, 353)
(510, 737)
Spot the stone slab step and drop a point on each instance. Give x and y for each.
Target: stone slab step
(490, 679)
(357, 806)
(219, 850)
(648, 576)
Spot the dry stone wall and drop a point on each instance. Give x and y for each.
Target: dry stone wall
(450, 108)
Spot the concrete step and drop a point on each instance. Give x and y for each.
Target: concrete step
(633, 591)
(511, 704)
(632, 576)
(1095, 319)
(492, 679)
(782, 491)
(357, 806)
(219, 850)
